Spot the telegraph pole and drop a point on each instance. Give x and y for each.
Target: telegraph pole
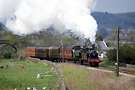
(62, 50)
(117, 63)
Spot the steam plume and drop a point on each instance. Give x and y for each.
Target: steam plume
(28, 16)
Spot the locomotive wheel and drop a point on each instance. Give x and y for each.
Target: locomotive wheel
(75, 61)
(97, 65)
(81, 62)
(94, 65)
(90, 64)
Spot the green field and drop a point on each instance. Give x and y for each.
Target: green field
(23, 74)
(80, 78)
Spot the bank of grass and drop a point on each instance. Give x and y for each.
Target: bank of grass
(22, 74)
(109, 65)
(80, 78)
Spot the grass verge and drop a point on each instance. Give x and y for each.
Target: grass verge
(80, 78)
(23, 74)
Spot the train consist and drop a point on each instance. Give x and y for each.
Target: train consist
(74, 54)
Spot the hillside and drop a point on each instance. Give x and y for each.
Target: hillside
(130, 16)
(2, 27)
(107, 21)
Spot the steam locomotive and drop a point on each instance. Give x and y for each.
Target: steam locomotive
(75, 54)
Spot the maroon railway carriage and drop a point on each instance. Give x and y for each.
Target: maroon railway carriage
(54, 53)
(50, 53)
(66, 53)
(37, 52)
(30, 52)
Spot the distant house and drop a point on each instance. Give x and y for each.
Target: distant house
(102, 45)
(126, 37)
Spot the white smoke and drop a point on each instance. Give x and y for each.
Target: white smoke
(28, 16)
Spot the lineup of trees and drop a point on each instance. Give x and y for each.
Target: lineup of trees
(126, 54)
(41, 39)
(127, 46)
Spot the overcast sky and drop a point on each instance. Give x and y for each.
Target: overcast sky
(115, 6)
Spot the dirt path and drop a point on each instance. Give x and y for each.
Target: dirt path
(59, 72)
(109, 71)
(78, 77)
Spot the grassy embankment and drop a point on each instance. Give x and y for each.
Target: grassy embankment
(22, 74)
(109, 65)
(80, 78)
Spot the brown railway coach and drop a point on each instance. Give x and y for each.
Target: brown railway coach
(42, 52)
(54, 53)
(66, 53)
(50, 53)
(30, 52)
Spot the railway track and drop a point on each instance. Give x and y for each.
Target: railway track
(127, 70)
(123, 71)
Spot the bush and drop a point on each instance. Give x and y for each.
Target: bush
(111, 54)
(7, 55)
(126, 54)
(7, 52)
(106, 63)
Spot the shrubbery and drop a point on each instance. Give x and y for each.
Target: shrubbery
(126, 54)
(106, 63)
(7, 52)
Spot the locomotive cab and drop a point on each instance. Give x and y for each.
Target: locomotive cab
(76, 53)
